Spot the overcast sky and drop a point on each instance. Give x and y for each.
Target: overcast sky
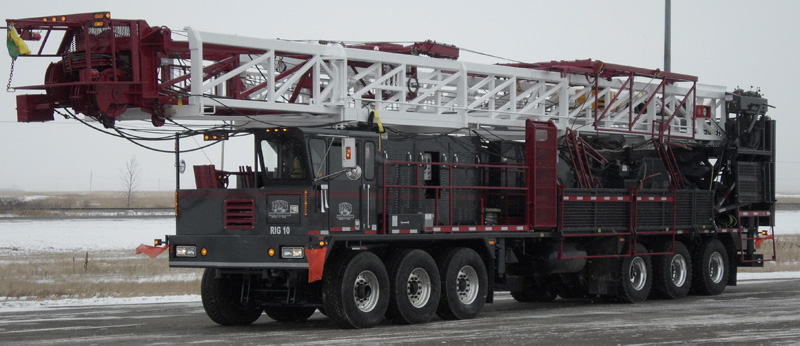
(723, 42)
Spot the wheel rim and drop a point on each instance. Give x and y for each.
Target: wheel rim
(418, 287)
(366, 291)
(716, 268)
(467, 285)
(678, 270)
(638, 273)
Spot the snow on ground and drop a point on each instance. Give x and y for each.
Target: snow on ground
(787, 222)
(82, 234)
(22, 305)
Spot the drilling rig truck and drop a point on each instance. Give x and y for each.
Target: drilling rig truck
(396, 181)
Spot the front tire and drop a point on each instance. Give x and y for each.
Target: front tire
(711, 269)
(291, 314)
(672, 274)
(636, 277)
(464, 284)
(356, 290)
(223, 301)
(415, 287)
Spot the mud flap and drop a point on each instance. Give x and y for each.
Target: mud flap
(316, 263)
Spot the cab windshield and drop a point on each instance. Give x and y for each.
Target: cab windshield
(283, 159)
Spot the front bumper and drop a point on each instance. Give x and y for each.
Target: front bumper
(236, 251)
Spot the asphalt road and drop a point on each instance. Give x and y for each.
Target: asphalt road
(753, 313)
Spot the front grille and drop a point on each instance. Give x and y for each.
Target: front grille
(239, 214)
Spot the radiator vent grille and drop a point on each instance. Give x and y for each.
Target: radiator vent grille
(239, 214)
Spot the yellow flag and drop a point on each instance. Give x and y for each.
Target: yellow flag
(16, 46)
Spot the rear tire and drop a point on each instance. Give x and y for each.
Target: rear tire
(672, 274)
(415, 287)
(711, 268)
(464, 284)
(290, 314)
(636, 277)
(356, 290)
(222, 303)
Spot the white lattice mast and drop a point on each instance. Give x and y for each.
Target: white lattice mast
(341, 85)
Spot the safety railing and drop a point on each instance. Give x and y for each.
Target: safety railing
(460, 190)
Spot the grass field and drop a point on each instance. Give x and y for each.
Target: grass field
(56, 275)
(51, 204)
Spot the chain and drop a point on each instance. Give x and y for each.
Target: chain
(10, 77)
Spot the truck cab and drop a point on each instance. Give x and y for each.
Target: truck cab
(306, 182)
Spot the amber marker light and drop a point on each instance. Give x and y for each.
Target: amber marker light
(305, 203)
(203, 251)
(271, 252)
(321, 243)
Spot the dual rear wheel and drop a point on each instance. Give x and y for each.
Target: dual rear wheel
(359, 290)
(674, 275)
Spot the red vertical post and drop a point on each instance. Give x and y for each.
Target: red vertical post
(541, 153)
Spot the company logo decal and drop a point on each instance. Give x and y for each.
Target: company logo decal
(345, 211)
(280, 207)
(282, 210)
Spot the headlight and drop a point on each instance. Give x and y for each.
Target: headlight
(292, 252)
(185, 251)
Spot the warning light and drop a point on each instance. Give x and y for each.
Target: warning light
(764, 232)
(271, 252)
(321, 243)
(99, 16)
(349, 153)
(63, 18)
(203, 251)
(216, 136)
(284, 130)
(98, 24)
(54, 19)
(491, 242)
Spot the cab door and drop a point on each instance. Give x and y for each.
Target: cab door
(344, 191)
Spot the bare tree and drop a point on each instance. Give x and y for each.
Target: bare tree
(130, 178)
